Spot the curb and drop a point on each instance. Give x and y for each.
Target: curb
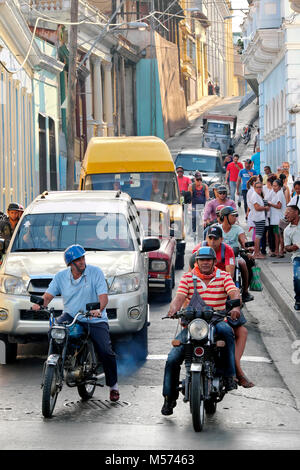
(280, 296)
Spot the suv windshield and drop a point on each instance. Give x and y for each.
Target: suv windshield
(218, 128)
(203, 163)
(158, 187)
(55, 232)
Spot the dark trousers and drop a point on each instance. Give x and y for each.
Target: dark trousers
(296, 269)
(244, 194)
(99, 333)
(268, 233)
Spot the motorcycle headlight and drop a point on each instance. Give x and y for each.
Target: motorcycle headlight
(58, 333)
(13, 285)
(157, 265)
(125, 283)
(198, 329)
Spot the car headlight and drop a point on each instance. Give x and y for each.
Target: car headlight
(58, 333)
(125, 283)
(198, 329)
(13, 285)
(157, 265)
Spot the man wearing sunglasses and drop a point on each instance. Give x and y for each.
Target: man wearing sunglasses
(210, 215)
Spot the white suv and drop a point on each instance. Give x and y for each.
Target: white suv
(107, 225)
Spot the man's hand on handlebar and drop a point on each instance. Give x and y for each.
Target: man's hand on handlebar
(95, 313)
(235, 314)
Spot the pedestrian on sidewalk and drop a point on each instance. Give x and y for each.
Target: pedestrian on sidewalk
(243, 178)
(259, 210)
(232, 174)
(268, 172)
(277, 204)
(295, 201)
(183, 181)
(292, 244)
(229, 158)
(268, 237)
(256, 160)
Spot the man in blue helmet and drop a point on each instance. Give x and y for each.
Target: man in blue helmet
(79, 285)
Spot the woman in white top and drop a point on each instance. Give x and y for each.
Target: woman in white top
(277, 204)
(250, 191)
(258, 217)
(268, 237)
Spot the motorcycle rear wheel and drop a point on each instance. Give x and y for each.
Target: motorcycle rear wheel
(197, 401)
(86, 390)
(50, 390)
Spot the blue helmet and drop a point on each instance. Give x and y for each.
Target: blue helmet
(206, 252)
(72, 253)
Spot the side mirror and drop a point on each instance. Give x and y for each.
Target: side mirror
(34, 299)
(150, 244)
(92, 306)
(230, 304)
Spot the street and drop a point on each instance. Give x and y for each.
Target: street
(263, 417)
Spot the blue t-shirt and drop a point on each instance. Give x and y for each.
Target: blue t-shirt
(245, 175)
(256, 160)
(77, 293)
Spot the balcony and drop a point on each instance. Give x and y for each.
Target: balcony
(262, 50)
(61, 9)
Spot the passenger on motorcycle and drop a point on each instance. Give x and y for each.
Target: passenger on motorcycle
(234, 235)
(213, 286)
(224, 253)
(209, 215)
(226, 262)
(79, 285)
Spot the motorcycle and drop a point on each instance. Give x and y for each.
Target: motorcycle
(71, 359)
(238, 252)
(246, 134)
(203, 385)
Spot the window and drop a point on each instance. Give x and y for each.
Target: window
(55, 232)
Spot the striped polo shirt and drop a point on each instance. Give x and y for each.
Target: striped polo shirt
(214, 294)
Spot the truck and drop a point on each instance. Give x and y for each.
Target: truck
(219, 131)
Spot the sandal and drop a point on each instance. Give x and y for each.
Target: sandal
(243, 381)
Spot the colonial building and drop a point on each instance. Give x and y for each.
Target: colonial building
(29, 110)
(272, 67)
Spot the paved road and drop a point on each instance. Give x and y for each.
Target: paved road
(264, 417)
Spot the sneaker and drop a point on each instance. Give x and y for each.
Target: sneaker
(247, 297)
(230, 384)
(114, 395)
(168, 406)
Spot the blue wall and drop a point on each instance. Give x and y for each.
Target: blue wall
(149, 108)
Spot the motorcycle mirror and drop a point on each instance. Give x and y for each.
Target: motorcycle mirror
(34, 299)
(230, 304)
(207, 313)
(92, 306)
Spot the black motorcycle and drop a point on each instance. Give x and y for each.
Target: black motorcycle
(203, 385)
(71, 359)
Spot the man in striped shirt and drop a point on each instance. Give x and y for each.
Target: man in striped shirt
(213, 286)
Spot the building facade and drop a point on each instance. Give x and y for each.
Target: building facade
(272, 58)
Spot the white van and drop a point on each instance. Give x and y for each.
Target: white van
(107, 225)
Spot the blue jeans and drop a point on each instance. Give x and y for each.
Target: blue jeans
(176, 357)
(296, 268)
(232, 188)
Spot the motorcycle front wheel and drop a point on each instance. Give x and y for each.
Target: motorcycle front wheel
(50, 390)
(86, 390)
(197, 401)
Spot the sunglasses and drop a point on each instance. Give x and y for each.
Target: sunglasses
(222, 192)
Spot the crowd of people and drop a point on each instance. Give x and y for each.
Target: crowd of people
(271, 203)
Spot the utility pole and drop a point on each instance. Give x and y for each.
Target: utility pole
(71, 101)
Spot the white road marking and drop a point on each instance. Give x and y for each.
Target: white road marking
(163, 357)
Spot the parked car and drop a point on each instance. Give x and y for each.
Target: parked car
(208, 161)
(107, 225)
(155, 218)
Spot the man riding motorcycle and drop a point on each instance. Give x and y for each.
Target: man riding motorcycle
(213, 286)
(234, 235)
(79, 285)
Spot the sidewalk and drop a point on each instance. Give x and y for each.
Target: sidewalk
(277, 277)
